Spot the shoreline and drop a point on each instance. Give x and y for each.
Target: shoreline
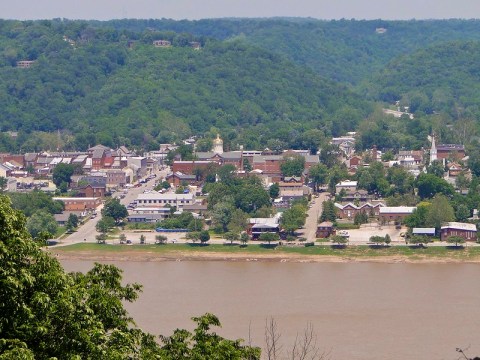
(149, 256)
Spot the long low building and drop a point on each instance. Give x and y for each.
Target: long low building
(79, 203)
(394, 213)
(464, 230)
(155, 199)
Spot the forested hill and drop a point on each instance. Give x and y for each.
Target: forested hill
(345, 50)
(115, 87)
(441, 79)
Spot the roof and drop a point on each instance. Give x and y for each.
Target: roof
(397, 209)
(99, 147)
(273, 222)
(167, 196)
(181, 176)
(450, 147)
(326, 224)
(263, 158)
(204, 155)
(347, 183)
(423, 231)
(359, 207)
(75, 198)
(98, 153)
(460, 226)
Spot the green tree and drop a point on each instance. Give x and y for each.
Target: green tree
(274, 190)
(328, 211)
(439, 211)
(436, 168)
(429, 185)
(3, 183)
(105, 224)
(221, 215)
(419, 240)
(72, 222)
(377, 240)
(462, 213)
(231, 236)
(339, 240)
(62, 173)
(292, 165)
(318, 173)
(268, 237)
(418, 218)
(238, 221)
(41, 221)
(143, 239)
(160, 239)
(293, 218)
(88, 309)
(202, 344)
(122, 238)
(455, 240)
(244, 238)
(114, 209)
(204, 236)
(193, 235)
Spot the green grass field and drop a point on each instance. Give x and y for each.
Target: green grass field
(466, 253)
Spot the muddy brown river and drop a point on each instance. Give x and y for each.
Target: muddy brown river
(358, 310)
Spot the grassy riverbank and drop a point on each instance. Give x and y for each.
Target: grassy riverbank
(284, 253)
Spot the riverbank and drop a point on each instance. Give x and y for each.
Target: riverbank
(327, 253)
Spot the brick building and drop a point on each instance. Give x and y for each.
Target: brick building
(464, 230)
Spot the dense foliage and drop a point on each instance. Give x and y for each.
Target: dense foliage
(46, 313)
(101, 90)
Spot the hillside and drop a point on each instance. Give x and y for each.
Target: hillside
(440, 79)
(97, 88)
(346, 50)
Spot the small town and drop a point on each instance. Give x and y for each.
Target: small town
(176, 194)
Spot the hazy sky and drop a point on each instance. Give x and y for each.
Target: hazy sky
(195, 9)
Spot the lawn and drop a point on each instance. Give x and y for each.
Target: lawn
(467, 253)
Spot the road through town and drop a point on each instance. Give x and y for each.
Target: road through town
(87, 231)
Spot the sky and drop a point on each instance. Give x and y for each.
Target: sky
(196, 9)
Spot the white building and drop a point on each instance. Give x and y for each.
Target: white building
(155, 199)
(346, 185)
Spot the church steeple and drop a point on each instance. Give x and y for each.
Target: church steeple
(218, 145)
(433, 150)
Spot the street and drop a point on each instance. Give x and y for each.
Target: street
(87, 231)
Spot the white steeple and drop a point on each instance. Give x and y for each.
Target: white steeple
(218, 145)
(433, 150)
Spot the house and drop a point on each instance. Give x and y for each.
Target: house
(464, 230)
(161, 43)
(155, 199)
(79, 203)
(445, 151)
(346, 185)
(195, 45)
(325, 229)
(357, 195)
(116, 178)
(25, 64)
(454, 169)
(138, 164)
(178, 178)
(394, 213)
(91, 191)
(258, 226)
(348, 211)
(96, 179)
(189, 167)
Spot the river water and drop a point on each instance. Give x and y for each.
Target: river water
(358, 310)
